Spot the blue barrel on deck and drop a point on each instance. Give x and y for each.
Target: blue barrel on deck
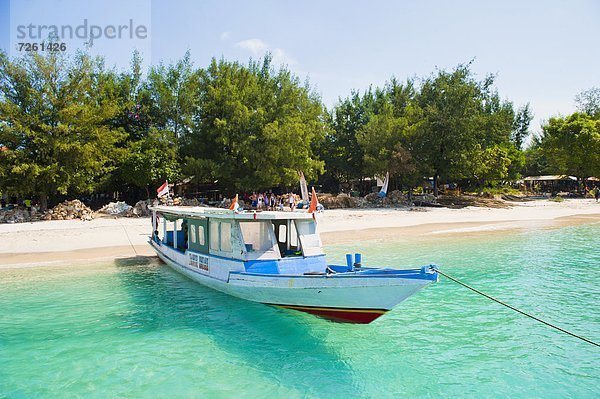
(357, 260)
(349, 261)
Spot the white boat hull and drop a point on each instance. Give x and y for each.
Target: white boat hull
(349, 297)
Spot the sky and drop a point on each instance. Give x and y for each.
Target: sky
(542, 52)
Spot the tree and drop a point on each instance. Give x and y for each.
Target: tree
(254, 127)
(385, 141)
(55, 112)
(588, 102)
(343, 155)
(490, 164)
(458, 112)
(523, 119)
(149, 152)
(174, 95)
(536, 161)
(572, 145)
(150, 160)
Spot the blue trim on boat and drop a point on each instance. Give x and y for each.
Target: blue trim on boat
(262, 266)
(414, 274)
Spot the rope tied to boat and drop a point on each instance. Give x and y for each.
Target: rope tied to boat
(128, 239)
(589, 341)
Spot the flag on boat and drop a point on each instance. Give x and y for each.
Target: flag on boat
(303, 187)
(234, 204)
(384, 189)
(313, 202)
(163, 190)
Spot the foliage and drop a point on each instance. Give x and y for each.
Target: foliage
(384, 141)
(489, 164)
(253, 127)
(173, 90)
(341, 151)
(55, 112)
(523, 119)
(572, 145)
(458, 113)
(150, 160)
(536, 161)
(588, 102)
(153, 112)
(70, 126)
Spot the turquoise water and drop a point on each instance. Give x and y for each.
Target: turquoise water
(137, 329)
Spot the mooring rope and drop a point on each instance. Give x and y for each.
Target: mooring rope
(128, 239)
(517, 310)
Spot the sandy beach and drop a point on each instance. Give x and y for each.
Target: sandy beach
(75, 241)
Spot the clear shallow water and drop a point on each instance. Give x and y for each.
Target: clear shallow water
(137, 329)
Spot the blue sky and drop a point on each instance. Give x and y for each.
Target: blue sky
(544, 52)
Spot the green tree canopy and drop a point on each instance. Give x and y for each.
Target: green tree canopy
(385, 141)
(458, 112)
(523, 119)
(55, 112)
(572, 145)
(588, 101)
(254, 127)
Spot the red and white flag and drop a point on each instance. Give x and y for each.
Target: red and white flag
(313, 203)
(234, 204)
(163, 190)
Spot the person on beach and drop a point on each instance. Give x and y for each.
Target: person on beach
(597, 195)
(292, 201)
(260, 202)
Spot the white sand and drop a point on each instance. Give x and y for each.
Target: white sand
(520, 215)
(107, 238)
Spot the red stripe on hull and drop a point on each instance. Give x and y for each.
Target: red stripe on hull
(359, 316)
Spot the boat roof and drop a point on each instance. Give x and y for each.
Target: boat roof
(221, 213)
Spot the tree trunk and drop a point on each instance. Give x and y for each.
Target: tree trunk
(147, 192)
(435, 185)
(43, 202)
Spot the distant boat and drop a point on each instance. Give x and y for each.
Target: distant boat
(276, 258)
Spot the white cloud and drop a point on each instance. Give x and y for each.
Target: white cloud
(258, 48)
(281, 57)
(225, 35)
(255, 46)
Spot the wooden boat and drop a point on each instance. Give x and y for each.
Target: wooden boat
(276, 258)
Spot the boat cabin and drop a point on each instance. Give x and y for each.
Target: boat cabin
(262, 242)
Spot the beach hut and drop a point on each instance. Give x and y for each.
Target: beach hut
(550, 183)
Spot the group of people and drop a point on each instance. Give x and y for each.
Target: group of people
(26, 203)
(272, 202)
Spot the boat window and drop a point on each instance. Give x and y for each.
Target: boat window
(225, 237)
(257, 236)
(282, 233)
(214, 235)
(287, 238)
(193, 233)
(201, 235)
(293, 235)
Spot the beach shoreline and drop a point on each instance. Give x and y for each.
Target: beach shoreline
(73, 241)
